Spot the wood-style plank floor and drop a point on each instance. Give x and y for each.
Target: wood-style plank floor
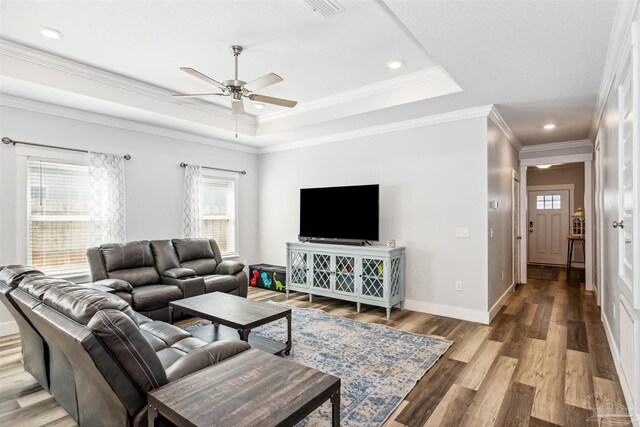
(537, 364)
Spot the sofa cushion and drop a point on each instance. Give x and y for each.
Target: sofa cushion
(11, 275)
(122, 256)
(190, 249)
(220, 283)
(132, 351)
(139, 276)
(202, 267)
(153, 297)
(115, 284)
(81, 303)
(164, 254)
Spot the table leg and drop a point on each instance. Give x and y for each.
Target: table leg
(244, 334)
(335, 409)
(569, 260)
(388, 313)
(170, 315)
(287, 350)
(568, 264)
(152, 415)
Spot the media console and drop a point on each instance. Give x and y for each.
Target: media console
(371, 275)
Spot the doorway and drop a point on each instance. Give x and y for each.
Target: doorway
(548, 224)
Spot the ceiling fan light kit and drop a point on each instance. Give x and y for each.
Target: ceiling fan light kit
(238, 89)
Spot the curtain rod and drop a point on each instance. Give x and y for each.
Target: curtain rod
(6, 140)
(184, 165)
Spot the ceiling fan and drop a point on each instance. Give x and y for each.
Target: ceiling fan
(238, 89)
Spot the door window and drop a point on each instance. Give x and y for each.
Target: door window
(548, 201)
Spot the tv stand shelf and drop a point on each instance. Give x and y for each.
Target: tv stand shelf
(371, 275)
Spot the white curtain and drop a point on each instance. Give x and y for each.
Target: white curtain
(191, 213)
(106, 178)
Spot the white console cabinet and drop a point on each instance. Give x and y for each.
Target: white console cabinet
(371, 275)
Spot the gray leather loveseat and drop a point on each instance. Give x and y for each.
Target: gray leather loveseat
(150, 274)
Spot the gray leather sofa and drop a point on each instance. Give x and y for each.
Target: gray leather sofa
(105, 354)
(35, 353)
(150, 274)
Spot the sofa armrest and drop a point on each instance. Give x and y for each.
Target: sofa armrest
(204, 357)
(115, 284)
(229, 267)
(179, 273)
(190, 286)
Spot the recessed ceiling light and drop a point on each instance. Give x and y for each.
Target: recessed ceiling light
(550, 126)
(396, 63)
(258, 105)
(544, 166)
(51, 33)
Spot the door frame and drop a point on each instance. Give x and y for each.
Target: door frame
(598, 219)
(515, 183)
(553, 187)
(585, 158)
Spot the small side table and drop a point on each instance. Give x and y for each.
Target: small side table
(570, 242)
(251, 389)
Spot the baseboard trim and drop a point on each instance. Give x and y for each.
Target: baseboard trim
(498, 305)
(8, 328)
(626, 391)
(461, 313)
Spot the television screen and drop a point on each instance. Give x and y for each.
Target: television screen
(349, 213)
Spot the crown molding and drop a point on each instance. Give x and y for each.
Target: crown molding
(75, 68)
(437, 119)
(554, 146)
(499, 122)
(101, 119)
(412, 79)
(620, 33)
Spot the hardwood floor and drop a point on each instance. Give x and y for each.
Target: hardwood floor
(537, 364)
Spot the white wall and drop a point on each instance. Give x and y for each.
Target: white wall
(502, 159)
(432, 180)
(154, 179)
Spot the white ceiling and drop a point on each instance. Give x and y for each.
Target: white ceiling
(538, 61)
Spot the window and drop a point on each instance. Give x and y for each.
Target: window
(58, 216)
(218, 210)
(548, 201)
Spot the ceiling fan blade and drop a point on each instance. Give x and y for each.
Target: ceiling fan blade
(195, 95)
(237, 106)
(202, 77)
(274, 101)
(264, 81)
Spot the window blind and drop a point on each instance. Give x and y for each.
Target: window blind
(218, 210)
(58, 216)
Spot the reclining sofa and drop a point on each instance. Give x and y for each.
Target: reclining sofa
(102, 358)
(150, 274)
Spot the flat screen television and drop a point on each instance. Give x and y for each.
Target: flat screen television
(341, 213)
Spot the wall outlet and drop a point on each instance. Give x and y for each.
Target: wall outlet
(458, 286)
(462, 232)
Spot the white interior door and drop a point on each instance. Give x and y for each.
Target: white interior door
(548, 226)
(515, 209)
(625, 183)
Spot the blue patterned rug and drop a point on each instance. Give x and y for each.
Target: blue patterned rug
(378, 365)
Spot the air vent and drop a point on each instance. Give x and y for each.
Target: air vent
(326, 8)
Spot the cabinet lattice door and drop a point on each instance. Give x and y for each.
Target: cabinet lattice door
(321, 271)
(345, 272)
(299, 268)
(372, 277)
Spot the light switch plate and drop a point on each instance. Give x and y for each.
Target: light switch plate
(462, 232)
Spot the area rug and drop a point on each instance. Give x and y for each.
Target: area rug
(378, 365)
(543, 272)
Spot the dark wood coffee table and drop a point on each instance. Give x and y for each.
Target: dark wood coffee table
(234, 312)
(253, 388)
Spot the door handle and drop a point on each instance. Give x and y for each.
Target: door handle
(626, 242)
(518, 237)
(617, 224)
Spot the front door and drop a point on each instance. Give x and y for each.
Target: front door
(548, 226)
